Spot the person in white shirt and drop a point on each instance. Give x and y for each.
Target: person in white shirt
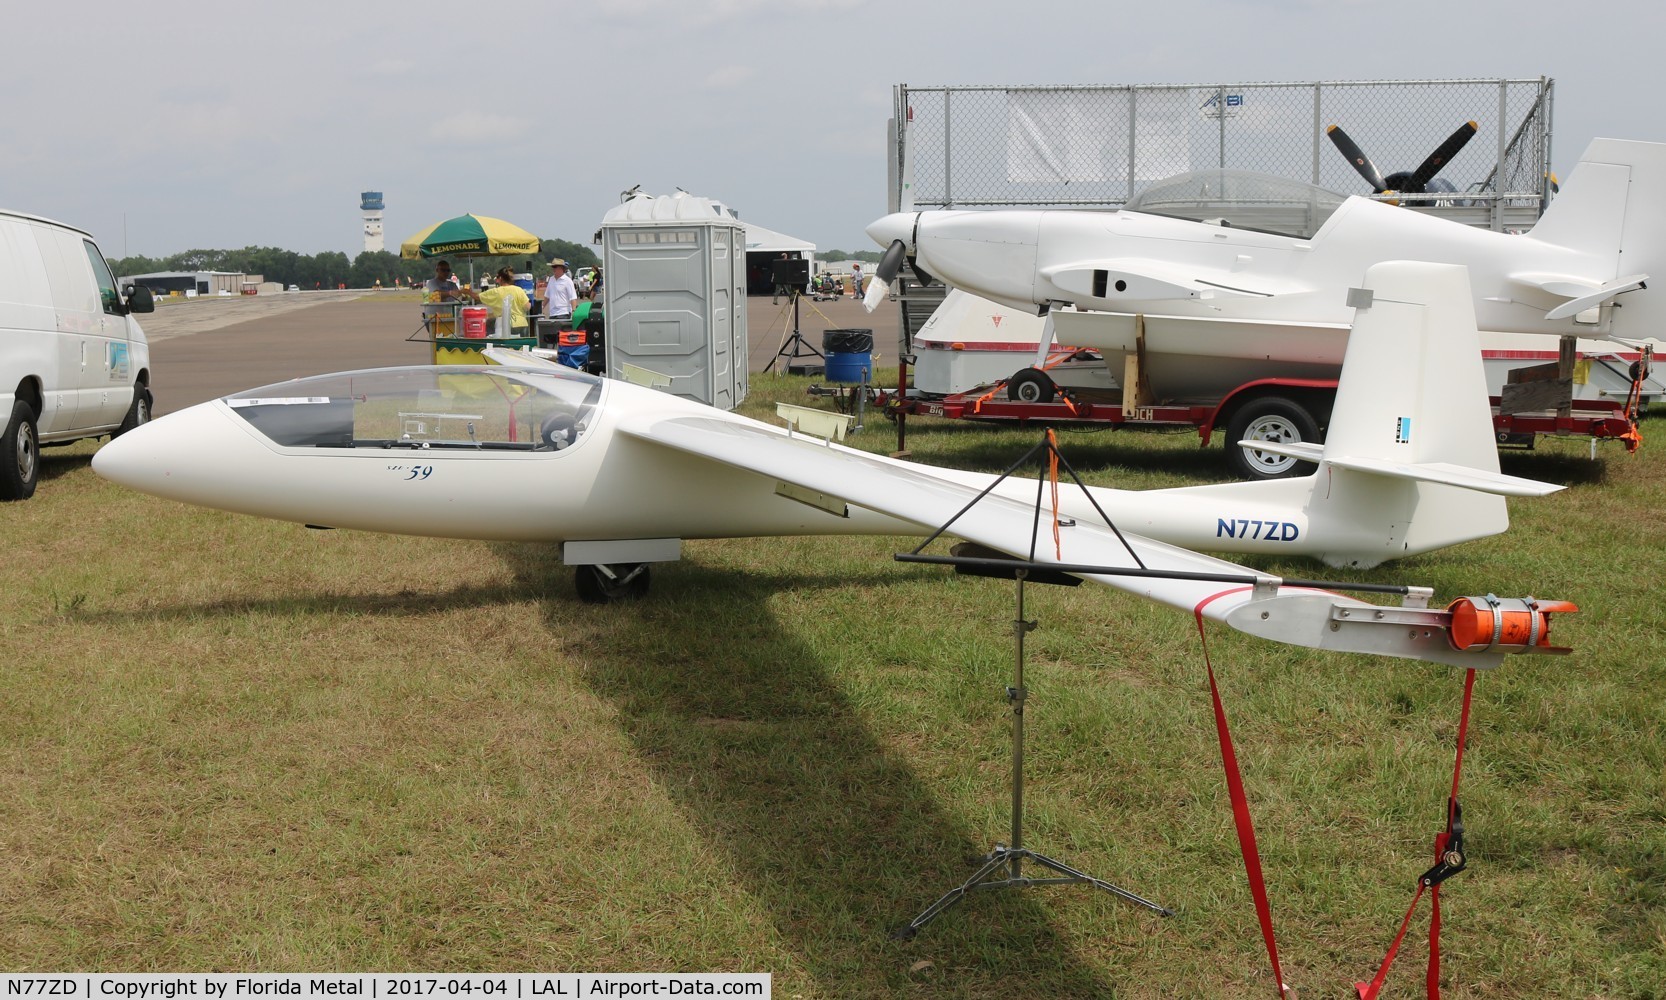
(560, 297)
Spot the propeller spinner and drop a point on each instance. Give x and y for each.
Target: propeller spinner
(1410, 181)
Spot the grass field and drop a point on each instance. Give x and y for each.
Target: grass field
(238, 744)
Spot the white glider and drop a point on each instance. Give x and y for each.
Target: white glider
(620, 474)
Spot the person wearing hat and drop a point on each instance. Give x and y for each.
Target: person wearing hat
(560, 297)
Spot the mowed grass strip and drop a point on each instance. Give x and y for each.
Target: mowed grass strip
(238, 744)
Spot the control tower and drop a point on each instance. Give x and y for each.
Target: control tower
(370, 206)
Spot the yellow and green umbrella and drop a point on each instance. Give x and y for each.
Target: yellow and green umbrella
(469, 236)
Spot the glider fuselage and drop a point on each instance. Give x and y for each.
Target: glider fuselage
(455, 469)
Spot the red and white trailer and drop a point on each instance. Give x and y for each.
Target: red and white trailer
(974, 359)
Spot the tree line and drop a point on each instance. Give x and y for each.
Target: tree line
(332, 267)
(866, 256)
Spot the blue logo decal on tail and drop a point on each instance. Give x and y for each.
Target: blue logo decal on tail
(1402, 430)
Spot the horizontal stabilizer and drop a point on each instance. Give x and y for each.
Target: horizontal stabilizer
(1426, 472)
(1608, 290)
(1305, 451)
(1563, 286)
(1449, 475)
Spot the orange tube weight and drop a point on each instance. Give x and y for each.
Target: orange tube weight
(1504, 624)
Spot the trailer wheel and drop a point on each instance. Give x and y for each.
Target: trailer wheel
(1031, 386)
(1276, 420)
(606, 584)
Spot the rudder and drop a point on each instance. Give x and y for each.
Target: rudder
(1610, 209)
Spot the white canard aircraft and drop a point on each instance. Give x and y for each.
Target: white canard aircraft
(619, 474)
(1240, 290)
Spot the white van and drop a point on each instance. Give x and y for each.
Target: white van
(73, 362)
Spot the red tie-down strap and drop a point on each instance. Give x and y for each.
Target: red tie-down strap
(1449, 861)
(1240, 802)
(1449, 851)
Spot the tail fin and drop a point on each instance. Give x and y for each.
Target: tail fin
(1412, 399)
(1409, 464)
(1610, 208)
(1410, 443)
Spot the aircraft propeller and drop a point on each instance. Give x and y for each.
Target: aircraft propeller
(889, 266)
(1410, 181)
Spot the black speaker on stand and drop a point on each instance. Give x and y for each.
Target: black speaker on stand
(795, 274)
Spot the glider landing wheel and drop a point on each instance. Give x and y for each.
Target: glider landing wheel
(1276, 420)
(606, 584)
(1031, 386)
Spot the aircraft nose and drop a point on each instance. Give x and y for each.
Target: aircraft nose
(129, 458)
(166, 456)
(893, 227)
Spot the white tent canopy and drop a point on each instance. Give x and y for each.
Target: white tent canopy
(761, 240)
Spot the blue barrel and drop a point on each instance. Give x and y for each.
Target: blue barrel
(849, 366)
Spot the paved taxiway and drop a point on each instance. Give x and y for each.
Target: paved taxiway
(202, 349)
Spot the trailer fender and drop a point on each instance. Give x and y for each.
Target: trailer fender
(1315, 394)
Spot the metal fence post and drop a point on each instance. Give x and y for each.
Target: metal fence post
(1503, 144)
(1547, 96)
(1318, 132)
(1220, 109)
(1133, 125)
(948, 146)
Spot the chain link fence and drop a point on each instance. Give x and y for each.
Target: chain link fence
(1097, 146)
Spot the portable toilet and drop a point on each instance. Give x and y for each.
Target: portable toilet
(675, 297)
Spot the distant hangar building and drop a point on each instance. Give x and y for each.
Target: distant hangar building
(194, 283)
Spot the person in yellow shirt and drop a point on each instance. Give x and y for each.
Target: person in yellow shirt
(505, 295)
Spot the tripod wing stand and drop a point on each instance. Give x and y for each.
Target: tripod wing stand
(1003, 867)
(794, 346)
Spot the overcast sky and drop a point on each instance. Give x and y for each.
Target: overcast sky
(170, 126)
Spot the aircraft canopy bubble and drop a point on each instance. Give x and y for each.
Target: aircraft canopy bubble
(1244, 198)
(484, 408)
